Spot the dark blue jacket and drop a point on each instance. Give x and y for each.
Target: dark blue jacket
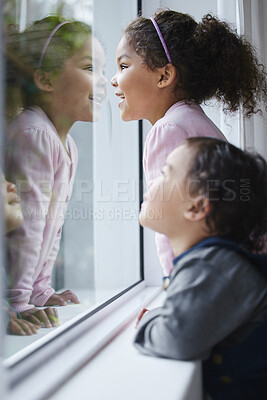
(239, 372)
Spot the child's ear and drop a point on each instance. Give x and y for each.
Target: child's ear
(168, 74)
(43, 80)
(197, 210)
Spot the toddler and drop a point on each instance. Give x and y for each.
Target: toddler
(210, 201)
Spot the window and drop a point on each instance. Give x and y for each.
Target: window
(99, 256)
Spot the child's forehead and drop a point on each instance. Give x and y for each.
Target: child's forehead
(123, 41)
(124, 47)
(91, 50)
(182, 154)
(179, 163)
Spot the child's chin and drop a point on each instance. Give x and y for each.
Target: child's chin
(140, 218)
(147, 222)
(143, 220)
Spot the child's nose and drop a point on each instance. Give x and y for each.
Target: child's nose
(114, 81)
(102, 78)
(103, 81)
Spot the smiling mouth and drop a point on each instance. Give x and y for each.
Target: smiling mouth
(120, 95)
(99, 98)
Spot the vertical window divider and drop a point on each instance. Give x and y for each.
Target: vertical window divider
(140, 128)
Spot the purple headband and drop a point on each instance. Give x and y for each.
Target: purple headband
(48, 40)
(162, 40)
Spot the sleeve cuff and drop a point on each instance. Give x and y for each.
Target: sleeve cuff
(21, 307)
(40, 299)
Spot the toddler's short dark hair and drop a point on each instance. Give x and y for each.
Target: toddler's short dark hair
(235, 182)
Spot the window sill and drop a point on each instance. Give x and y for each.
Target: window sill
(100, 362)
(120, 372)
(18, 347)
(116, 369)
(70, 351)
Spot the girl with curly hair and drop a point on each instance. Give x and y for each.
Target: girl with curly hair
(59, 82)
(166, 67)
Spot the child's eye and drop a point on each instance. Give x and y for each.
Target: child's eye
(123, 66)
(88, 68)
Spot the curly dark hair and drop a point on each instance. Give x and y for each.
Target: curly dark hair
(235, 182)
(23, 52)
(212, 59)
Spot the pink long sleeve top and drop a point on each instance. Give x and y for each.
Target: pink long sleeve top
(37, 162)
(181, 121)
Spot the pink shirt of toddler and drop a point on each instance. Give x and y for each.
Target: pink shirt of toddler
(181, 121)
(39, 165)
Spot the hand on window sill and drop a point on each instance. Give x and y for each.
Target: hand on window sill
(46, 317)
(61, 299)
(140, 316)
(20, 327)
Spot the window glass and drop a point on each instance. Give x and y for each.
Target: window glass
(63, 71)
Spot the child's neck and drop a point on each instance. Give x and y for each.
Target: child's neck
(181, 244)
(163, 104)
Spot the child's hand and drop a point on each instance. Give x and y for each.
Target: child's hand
(140, 316)
(20, 327)
(62, 298)
(47, 317)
